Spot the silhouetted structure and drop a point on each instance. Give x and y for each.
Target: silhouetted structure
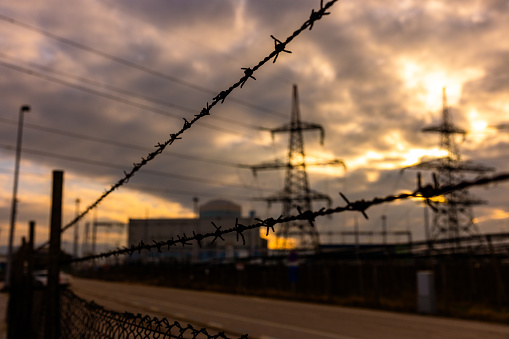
(296, 193)
(218, 213)
(453, 217)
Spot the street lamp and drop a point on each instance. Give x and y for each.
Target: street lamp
(22, 110)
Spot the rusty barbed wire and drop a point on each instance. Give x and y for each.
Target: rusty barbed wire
(425, 192)
(219, 98)
(85, 319)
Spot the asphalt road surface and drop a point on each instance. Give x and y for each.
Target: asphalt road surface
(267, 318)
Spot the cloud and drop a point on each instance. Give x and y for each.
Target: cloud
(371, 73)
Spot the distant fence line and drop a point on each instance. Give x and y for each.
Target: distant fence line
(383, 277)
(426, 192)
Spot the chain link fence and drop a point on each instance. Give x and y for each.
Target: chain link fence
(28, 314)
(83, 319)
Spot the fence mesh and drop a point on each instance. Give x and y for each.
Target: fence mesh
(83, 319)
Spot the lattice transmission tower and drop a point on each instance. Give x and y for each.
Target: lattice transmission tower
(296, 193)
(453, 216)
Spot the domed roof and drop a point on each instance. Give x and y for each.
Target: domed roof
(220, 208)
(219, 204)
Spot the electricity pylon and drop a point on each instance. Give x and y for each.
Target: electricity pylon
(453, 216)
(296, 193)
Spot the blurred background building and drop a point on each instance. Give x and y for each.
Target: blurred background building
(222, 213)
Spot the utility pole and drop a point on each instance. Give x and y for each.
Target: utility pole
(97, 224)
(76, 229)
(195, 207)
(195, 249)
(296, 193)
(426, 223)
(384, 229)
(85, 249)
(453, 217)
(94, 232)
(356, 233)
(22, 110)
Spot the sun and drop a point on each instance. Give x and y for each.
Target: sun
(477, 124)
(426, 80)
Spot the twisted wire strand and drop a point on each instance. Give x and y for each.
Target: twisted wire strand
(279, 47)
(425, 192)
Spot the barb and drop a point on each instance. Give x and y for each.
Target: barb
(219, 98)
(317, 15)
(279, 47)
(427, 191)
(240, 228)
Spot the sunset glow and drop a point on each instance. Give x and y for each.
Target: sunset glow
(370, 73)
(428, 80)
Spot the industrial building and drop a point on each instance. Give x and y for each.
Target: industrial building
(222, 213)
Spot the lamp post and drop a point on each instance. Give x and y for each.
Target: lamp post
(22, 110)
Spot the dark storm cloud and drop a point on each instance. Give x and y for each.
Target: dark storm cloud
(348, 68)
(179, 14)
(494, 80)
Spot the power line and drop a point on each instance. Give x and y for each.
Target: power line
(119, 90)
(130, 63)
(279, 47)
(119, 167)
(127, 101)
(115, 143)
(169, 191)
(105, 141)
(172, 191)
(110, 96)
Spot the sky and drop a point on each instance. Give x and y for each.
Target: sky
(107, 80)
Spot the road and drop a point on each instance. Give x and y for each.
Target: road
(267, 318)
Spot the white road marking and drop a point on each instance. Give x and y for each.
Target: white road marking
(260, 322)
(214, 324)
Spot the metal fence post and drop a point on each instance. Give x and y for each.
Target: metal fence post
(52, 294)
(17, 298)
(28, 264)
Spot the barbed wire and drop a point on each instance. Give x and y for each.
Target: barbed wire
(80, 318)
(425, 192)
(279, 47)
